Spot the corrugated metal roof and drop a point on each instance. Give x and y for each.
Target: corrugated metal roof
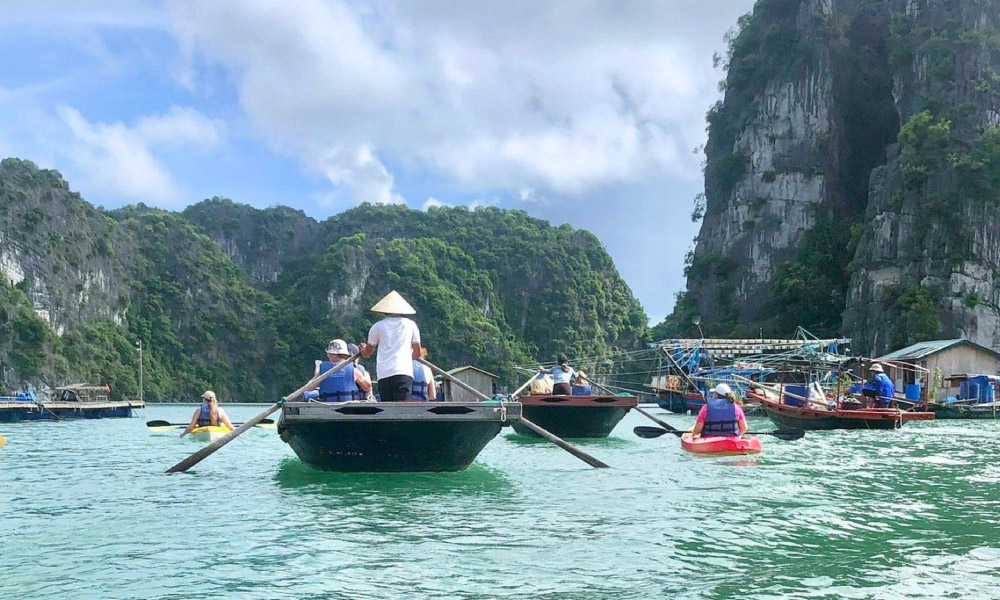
(467, 367)
(925, 349)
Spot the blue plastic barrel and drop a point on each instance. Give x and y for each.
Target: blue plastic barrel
(913, 391)
(855, 389)
(799, 390)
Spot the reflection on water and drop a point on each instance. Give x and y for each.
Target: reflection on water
(294, 476)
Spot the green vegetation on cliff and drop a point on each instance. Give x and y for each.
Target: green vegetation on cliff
(242, 300)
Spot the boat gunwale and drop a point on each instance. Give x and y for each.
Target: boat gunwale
(863, 414)
(592, 401)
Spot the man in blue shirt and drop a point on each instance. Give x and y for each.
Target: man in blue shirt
(885, 391)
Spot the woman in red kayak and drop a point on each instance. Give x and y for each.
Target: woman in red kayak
(721, 416)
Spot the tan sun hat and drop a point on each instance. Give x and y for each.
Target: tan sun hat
(876, 368)
(208, 395)
(393, 304)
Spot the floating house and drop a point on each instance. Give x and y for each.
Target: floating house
(949, 358)
(478, 379)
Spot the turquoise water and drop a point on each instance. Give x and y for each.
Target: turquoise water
(86, 512)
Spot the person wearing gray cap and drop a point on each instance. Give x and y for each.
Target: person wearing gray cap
(345, 385)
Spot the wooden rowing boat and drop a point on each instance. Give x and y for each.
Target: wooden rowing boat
(574, 416)
(392, 436)
(815, 418)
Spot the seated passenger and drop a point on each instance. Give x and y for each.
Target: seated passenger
(721, 416)
(562, 375)
(424, 389)
(581, 387)
(353, 349)
(207, 414)
(345, 385)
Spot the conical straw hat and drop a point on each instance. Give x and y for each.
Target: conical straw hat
(393, 304)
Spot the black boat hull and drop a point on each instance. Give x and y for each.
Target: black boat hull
(574, 416)
(400, 437)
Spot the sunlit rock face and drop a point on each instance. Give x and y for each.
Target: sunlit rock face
(843, 185)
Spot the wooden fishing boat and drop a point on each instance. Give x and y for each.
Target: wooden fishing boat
(79, 401)
(392, 436)
(958, 410)
(574, 416)
(814, 417)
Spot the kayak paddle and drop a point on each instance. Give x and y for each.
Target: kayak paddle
(158, 426)
(782, 434)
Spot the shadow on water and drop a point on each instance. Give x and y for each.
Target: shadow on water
(608, 442)
(293, 475)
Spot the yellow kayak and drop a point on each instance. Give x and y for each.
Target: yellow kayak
(3, 441)
(208, 433)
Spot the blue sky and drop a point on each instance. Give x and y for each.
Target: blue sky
(578, 112)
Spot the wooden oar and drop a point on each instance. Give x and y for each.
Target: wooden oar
(208, 450)
(590, 460)
(521, 389)
(157, 425)
(782, 434)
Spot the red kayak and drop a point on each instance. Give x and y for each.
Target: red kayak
(722, 446)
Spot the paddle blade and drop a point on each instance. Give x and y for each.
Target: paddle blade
(267, 424)
(789, 435)
(158, 423)
(649, 432)
(3, 441)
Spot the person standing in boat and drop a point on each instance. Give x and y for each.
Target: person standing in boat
(885, 390)
(423, 380)
(721, 415)
(397, 339)
(209, 413)
(562, 374)
(345, 385)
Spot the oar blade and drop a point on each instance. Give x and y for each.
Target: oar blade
(789, 435)
(158, 423)
(649, 432)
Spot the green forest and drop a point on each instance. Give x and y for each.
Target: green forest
(242, 300)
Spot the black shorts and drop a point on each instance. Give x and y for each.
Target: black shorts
(397, 388)
(562, 389)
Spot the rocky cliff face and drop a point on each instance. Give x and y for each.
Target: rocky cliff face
(848, 174)
(240, 300)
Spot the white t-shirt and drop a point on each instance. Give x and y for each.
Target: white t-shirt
(394, 337)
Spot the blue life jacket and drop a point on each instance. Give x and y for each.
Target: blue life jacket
(340, 386)
(582, 390)
(419, 391)
(205, 416)
(721, 419)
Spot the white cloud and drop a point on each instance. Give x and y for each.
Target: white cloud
(432, 202)
(561, 97)
(361, 172)
(116, 160)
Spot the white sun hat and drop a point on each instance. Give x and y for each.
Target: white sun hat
(208, 395)
(393, 304)
(337, 347)
(876, 368)
(723, 390)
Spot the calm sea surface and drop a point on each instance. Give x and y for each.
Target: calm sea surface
(86, 512)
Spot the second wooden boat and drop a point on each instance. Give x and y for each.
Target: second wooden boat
(574, 416)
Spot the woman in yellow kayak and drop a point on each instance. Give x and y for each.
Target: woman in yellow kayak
(209, 413)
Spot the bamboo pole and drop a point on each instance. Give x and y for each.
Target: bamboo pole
(210, 449)
(590, 460)
(521, 389)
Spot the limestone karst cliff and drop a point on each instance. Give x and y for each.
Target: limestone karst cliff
(242, 300)
(852, 181)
